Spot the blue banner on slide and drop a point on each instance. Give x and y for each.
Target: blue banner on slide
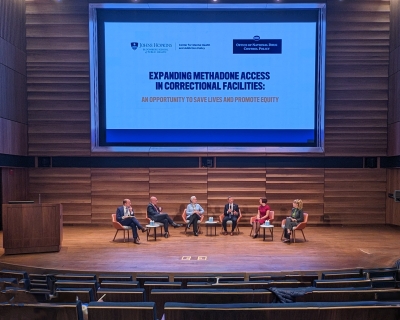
(211, 136)
(257, 46)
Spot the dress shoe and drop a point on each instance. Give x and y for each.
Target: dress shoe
(286, 240)
(225, 233)
(144, 229)
(166, 235)
(255, 236)
(177, 225)
(196, 234)
(136, 241)
(232, 233)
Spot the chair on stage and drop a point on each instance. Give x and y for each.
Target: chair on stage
(229, 222)
(119, 226)
(252, 219)
(301, 226)
(186, 221)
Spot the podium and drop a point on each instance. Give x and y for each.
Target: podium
(32, 228)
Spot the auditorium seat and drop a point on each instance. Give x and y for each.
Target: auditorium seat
(119, 284)
(249, 284)
(75, 276)
(41, 311)
(211, 278)
(162, 296)
(121, 295)
(122, 311)
(156, 278)
(69, 295)
(114, 277)
(8, 282)
(345, 274)
(284, 311)
(77, 284)
(343, 283)
(150, 285)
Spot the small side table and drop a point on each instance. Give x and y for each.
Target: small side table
(209, 225)
(271, 230)
(154, 227)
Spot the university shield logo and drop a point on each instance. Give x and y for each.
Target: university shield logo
(134, 45)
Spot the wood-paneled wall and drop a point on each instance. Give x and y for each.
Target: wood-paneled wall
(392, 207)
(394, 81)
(14, 184)
(13, 106)
(330, 196)
(356, 77)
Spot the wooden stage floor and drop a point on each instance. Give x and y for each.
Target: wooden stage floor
(91, 249)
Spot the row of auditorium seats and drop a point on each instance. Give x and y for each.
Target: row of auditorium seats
(358, 286)
(368, 310)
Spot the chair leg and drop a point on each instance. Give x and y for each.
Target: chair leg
(283, 232)
(303, 236)
(115, 235)
(186, 227)
(124, 235)
(294, 235)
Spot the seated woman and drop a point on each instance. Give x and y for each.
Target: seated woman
(262, 216)
(194, 212)
(295, 218)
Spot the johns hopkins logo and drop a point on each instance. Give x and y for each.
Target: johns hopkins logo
(134, 45)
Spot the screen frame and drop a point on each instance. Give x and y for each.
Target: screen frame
(94, 81)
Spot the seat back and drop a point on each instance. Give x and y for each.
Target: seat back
(115, 223)
(122, 310)
(303, 224)
(184, 216)
(271, 216)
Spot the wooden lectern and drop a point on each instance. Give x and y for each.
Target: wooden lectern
(30, 228)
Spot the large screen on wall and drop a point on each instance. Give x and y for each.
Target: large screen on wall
(184, 77)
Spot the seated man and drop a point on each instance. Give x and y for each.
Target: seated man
(126, 217)
(231, 212)
(154, 213)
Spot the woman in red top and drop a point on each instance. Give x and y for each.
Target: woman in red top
(262, 216)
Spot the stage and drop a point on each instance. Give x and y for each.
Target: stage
(91, 249)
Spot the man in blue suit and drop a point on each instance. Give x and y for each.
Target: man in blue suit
(126, 217)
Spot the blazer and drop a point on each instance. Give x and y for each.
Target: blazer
(235, 208)
(120, 213)
(298, 216)
(152, 211)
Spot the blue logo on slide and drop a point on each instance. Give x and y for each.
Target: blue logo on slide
(256, 38)
(134, 45)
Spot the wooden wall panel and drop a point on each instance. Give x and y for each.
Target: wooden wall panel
(174, 187)
(355, 196)
(394, 81)
(111, 186)
(58, 78)
(356, 77)
(71, 187)
(245, 185)
(283, 185)
(13, 115)
(13, 138)
(14, 184)
(392, 207)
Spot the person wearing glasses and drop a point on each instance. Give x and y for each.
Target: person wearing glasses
(295, 218)
(194, 211)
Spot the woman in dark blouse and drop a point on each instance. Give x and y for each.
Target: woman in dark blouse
(295, 218)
